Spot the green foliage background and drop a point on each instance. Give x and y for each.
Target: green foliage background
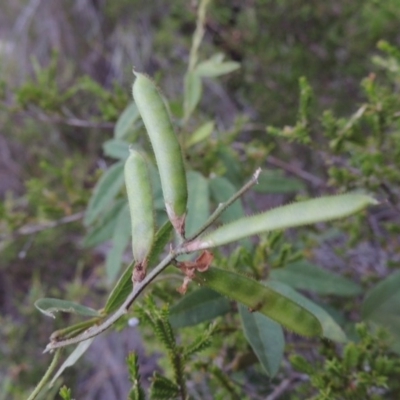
(65, 73)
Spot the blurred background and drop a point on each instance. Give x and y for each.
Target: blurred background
(65, 77)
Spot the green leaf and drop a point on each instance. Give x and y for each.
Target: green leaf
(265, 337)
(65, 393)
(120, 292)
(213, 67)
(289, 216)
(201, 305)
(221, 190)
(193, 91)
(198, 202)
(158, 198)
(105, 227)
(106, 189)
(306, 276)
(49, 306)
(72, 358)
(384, 292)
(163, 237)
(330, 329)
(126, 120)
(234, 171)
(261, 298)
(200, 134)
(117, 149)
(275, 182)
(120, 240)
(382, 307)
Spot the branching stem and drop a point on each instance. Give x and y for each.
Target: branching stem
(140, 286)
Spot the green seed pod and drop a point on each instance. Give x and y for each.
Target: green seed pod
(166, 147)
(140, 199)
(289, 216)
(262, 299)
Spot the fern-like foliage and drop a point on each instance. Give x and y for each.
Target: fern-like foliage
(201, 342)
(158, 319)
(163, 388)
(225, 382)
(136, 392)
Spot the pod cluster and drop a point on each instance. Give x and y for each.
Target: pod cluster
(167, 150)
(168, 154)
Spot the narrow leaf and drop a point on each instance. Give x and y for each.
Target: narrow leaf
(49, 306)
(221, 190)
(276, 182)
(200, 134)
(382, 307)
(382, 293)
(193, 91)
(198, 202)
(263, 299)
(163, 237)
(72, 358)
(265, 337)
(213, 68)
(106, 189)
(126, 120)
(289, 216)
(120, 240)
(330, 329)
(120, 292)
(117, 149)
(201, 305)
(234, 171)
(306, 276)
(104, 228)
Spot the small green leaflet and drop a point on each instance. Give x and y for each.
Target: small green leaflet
(49, 306)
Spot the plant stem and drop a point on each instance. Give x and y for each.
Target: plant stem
(198, 35)
(137, 290)
(46, 376)
(140, 286)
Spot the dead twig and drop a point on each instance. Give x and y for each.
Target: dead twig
(31, 229)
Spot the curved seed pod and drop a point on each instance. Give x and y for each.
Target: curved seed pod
(140, 199)
(289, 216)
(263, 299)
(166, 147)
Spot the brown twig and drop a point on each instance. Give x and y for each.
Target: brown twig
(296, 171)
(31, 229)
(70, 121)
(280, 389)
